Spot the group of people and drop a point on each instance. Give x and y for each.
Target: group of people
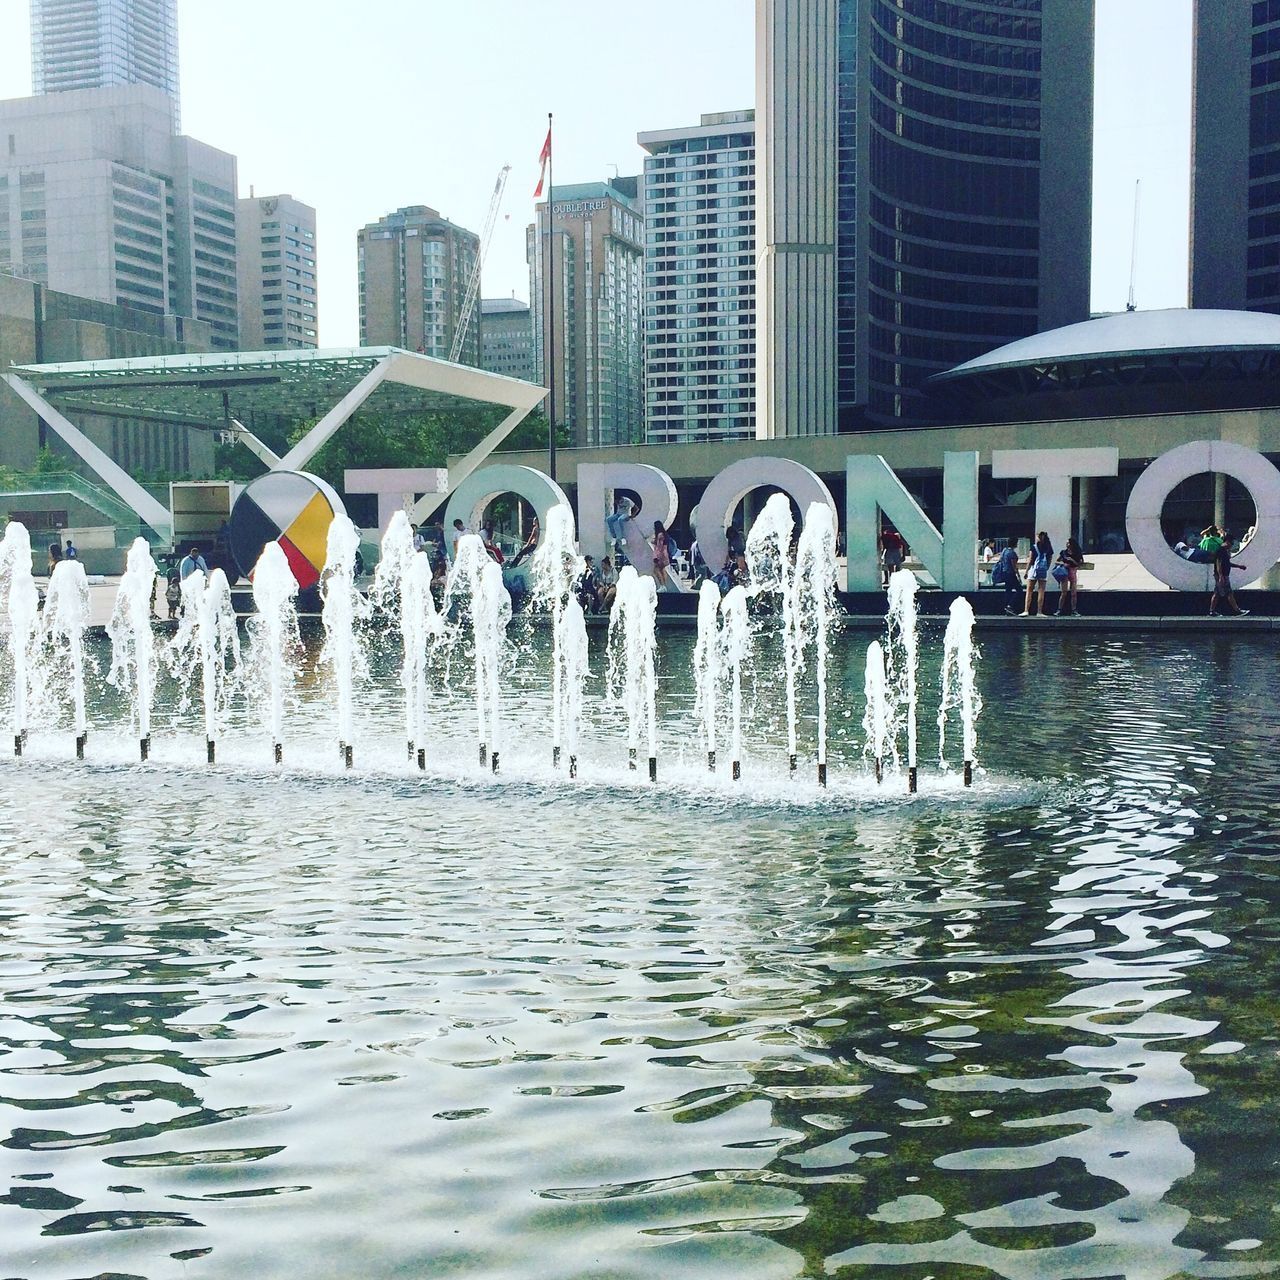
(1041, 566)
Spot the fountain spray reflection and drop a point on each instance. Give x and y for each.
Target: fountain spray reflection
(875, 719)
(134, 661)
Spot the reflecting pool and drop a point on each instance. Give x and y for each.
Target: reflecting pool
(305, 1021)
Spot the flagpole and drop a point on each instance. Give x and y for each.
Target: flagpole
(549, 301)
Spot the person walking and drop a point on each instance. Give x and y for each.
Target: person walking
(893, 550)
(1039, 559)
(1066, 572)
(1223, 599)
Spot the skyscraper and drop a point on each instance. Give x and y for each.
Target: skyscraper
(923, 184)
(414, 266)
(700, 280)
(276, 257)
(597, 292)
(94, 44)
(99, 198)
(506, 338)
(1235, 156)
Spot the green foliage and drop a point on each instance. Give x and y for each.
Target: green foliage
(374, 439)
(48, 462)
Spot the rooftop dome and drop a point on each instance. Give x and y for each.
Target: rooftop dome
(1133, 362)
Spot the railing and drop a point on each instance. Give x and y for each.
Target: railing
(119, 514)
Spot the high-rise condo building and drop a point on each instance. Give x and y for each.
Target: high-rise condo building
(94, 44)
(413, 267)
(276, 255)
(597, 356)
(1235, 156)
(99, 198)
(506, 338)
(700, 280)
(923, 179)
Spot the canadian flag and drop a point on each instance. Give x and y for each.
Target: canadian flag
(543, 160)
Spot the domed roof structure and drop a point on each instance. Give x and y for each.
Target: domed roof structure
(1133, 362)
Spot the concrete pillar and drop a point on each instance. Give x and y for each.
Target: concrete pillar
(1219, 498)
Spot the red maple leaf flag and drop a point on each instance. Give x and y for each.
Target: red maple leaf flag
(542, 160)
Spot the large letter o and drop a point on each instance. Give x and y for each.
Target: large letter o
(469, 499)
(1146, 502)
(722, 495)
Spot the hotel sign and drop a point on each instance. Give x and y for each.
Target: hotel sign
(579, 208)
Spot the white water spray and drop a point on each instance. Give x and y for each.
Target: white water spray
(475, 585)
(134, 661)
(207, 641)
(275, 647)
(735, 638)
(814, 608)
(773, 573)
(904, 657)
(66, 615)
(958, 684)
(631, 661)
(343, 607)
(22, 602)
(876, 719)
(707, 666)
(557, 566)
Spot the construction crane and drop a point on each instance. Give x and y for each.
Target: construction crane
(473, 285)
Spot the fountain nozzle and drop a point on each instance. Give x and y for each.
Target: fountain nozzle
(17, 744)
(822, 773)
(495, 762)
(422, 758)
(968, 773)
(80, 741)
(573, 766)
(279, 753)
(555, 757)
(210, 750)
(410, 752)
(631, 758)
(484, 755)
(737, 770)
(711, 761)
(653, 768)
(793, 764)
(348, 755)
(879, 768)
(144, 746)
(911, 779)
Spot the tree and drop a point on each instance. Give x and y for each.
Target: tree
(376, 438)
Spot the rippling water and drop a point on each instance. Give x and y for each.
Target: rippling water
(307, 1023)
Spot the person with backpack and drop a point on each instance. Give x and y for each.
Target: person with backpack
(1005, 574)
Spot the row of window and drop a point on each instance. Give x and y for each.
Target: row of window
(1023, 148)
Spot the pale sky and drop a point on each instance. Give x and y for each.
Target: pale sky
(358, 109)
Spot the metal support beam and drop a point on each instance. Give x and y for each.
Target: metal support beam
(127, 489)
(430, 503)
(318, 436)
(255, 446)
